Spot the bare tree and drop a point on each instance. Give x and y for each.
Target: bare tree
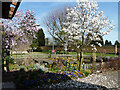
(54, 23)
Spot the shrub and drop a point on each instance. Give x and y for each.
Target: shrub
(112, 64)
(10, 60)
(14, 67)
(37, 50)
(22, 67)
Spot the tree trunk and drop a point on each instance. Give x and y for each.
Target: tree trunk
(2, 57)
(80, 60)
(7, 62)
(77, 56)
(93, 62)
(7, 66)
(3, 48)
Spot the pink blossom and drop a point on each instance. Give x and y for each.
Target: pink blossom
(15, 29)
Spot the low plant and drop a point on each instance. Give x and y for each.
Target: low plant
(14, 67)
(10, 60)
(76, 73)
(22, 67)
(36, 78)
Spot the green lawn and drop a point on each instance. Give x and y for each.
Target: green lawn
(41, 54)
(97, 54)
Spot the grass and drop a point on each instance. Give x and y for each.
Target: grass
(18, 54)
(39, 54)
(99, 54)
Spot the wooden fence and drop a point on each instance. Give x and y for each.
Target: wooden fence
(103, 49)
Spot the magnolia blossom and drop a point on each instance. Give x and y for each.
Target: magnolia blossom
(21, 29)
(99, 44)
(85, 23)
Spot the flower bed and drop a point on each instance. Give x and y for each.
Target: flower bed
(71, 70)
(57, 72)
(74, 74)
(36, 78)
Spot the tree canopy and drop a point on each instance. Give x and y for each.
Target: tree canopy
(84, 24)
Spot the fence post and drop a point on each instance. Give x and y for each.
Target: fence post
(93, 61)
(84, 66)
(115, 49)
(94, 56)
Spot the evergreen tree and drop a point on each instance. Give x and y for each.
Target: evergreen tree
(117, 43)
(106, 42)
(39, 41)
(110, 43)
(41, 38)
(34, 43)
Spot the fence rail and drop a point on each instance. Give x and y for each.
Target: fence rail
(42, 56)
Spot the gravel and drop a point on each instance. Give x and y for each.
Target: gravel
(107, 79)
(101, 80)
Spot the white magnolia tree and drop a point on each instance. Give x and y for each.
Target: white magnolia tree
(85, 24)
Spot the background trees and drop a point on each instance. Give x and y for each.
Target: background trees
(38, 41)
(108, 42)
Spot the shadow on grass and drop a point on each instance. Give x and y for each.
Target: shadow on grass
(33, 79)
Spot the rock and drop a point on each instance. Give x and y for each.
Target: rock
(28, 61)
(98, 71)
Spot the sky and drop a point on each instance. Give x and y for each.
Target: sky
(42, 9)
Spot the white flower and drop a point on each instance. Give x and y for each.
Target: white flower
(99, 44)
(72, 11)
(92, 45)
(101, 12)
(85, 18)
(94, 49)
(78, 46)
(76, 37)
(6, 46)
(67, 9)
